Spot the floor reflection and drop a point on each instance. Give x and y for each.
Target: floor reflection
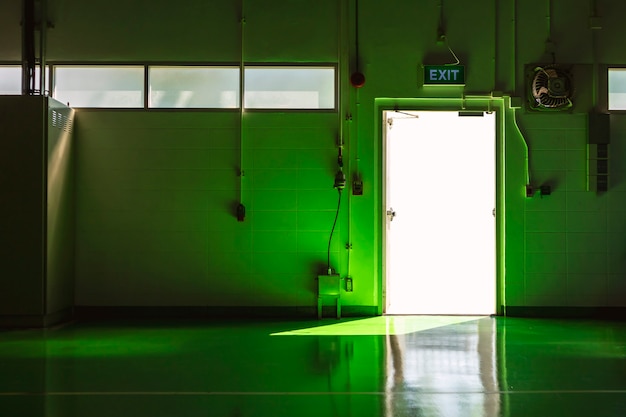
(458, 360)
(393, 366)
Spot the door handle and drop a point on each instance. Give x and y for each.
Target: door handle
(391, 214)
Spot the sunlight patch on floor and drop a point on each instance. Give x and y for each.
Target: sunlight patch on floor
(383, 325)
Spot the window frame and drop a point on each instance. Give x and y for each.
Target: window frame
(55, 65)
(52, 65)
(18, 65)
(194, 65)
(604, 92)
(308, 65)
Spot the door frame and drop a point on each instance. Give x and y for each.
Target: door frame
(478, 103)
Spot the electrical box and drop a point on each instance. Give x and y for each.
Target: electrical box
(357, 186)
(599, 137)
(328, 285)
(599, 131)
(37, 223)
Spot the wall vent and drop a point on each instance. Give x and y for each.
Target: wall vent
(61, 121)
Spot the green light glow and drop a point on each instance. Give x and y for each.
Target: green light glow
(383, 325)
(139, 342)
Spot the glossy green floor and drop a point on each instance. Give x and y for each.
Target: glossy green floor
(383, 366)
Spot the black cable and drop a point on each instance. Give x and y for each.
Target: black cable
(330, 239)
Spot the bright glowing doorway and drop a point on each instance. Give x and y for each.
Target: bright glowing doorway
(440, 205)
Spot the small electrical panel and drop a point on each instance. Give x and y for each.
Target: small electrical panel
(530, 191)
(357, 186)
(349, 287)
(598, 152)
(241, 212)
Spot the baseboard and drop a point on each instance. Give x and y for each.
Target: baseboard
(265, 312)
(214, 312)
(615, 313)
(36, 320)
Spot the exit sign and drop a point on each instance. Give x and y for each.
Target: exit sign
(444, 75)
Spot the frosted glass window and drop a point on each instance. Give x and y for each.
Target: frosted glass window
(11, 79)
(289, 88)
(617, 88)
(194, 87)
(105, 86)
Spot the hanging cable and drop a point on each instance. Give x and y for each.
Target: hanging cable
(332, 231)
(340, 184)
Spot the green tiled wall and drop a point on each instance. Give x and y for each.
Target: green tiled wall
(156, 217)
(157, 190)
(569, 240)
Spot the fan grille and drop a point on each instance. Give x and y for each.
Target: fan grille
(551, 88)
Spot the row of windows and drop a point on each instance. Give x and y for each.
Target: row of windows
(209, 87)
(202, 87)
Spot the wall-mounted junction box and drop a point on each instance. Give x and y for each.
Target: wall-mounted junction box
(599, 137)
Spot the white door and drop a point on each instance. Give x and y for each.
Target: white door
(440, 204)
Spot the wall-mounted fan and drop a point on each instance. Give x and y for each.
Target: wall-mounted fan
(550, 88)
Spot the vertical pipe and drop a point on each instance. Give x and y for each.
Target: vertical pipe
(354, 121)
(241, 104)
(594, 57)
(28, 46)
(441, 23)
(44, 210)
(549, 18)
(549, 43)
(501, 209)
(526, 149)
(496, 14)
(340, 110)
(513, 80)
(43, 27)
(146, 87)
